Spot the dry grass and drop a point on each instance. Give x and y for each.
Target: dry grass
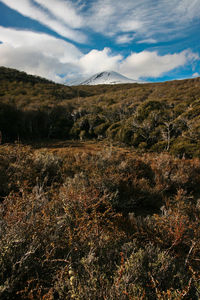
(64, 148)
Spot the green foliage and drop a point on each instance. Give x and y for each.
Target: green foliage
(147, 107)
(100, 130)
(125, 134)
(112, 131)
(184, 147)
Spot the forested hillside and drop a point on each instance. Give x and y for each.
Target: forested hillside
(149, 117)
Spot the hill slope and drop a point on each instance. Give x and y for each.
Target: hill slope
(149, 117)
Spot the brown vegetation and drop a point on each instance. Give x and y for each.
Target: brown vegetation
(101, 225)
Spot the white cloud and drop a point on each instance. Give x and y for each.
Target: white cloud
(48, 45)
(31, 61)
(196, 74)
(98, 61)
(38, 54)
(151, 64)
(125, 38)
(137, 65)
(64, 11)
(147, 41)
(26, 8)
(130, 25)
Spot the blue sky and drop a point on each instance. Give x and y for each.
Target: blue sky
(70, 40)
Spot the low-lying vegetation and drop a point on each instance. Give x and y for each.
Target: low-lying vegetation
(106, 225)
(80, 216)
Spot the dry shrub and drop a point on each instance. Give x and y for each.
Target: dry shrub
(63, 235)
(151, 271)
(20, 165)
(172, 174)
(41, 239)
(15, 167)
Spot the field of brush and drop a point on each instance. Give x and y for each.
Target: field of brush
(85, 220)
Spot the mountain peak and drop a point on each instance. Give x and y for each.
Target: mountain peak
(107, 77)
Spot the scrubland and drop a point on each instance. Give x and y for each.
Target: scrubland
(107, 224)
(99, 190)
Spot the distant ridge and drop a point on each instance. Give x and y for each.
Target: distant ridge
(107, 77)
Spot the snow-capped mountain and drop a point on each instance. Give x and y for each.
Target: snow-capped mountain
(107, 77)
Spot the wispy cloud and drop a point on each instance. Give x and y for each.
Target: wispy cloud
(125, 38)
(158, 20)
(148, 20)
(147, 41)
(27, 8)
(64, 11)
(188, 9)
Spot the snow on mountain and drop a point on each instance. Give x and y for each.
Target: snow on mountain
(107, 77)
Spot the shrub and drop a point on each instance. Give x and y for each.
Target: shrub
(152, 271)
(185, 148)
(48, 167)
(147, 107)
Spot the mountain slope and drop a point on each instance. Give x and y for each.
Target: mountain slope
(107, 77)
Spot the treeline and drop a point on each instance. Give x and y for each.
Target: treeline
(27, 125)
(152, 125)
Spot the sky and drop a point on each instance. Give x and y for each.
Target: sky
(68, 41)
